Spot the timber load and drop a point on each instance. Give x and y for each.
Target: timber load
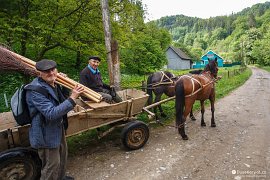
(11, 61)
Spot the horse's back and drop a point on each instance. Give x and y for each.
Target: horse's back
(161, 76)
(197, 86)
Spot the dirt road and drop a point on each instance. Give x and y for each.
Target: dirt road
(238, 148)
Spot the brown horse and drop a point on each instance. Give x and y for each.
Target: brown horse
(195, 87)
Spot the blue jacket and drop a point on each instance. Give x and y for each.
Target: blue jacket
(48, 112)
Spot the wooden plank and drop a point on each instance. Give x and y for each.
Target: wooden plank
(23, 133)
(4, 143)
(7, 121)
(94, 115)
(97, 105)
(84, 124)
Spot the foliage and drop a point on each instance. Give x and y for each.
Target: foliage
(143, 47)
(233, 37)
(261, 49)
(69, 31)
(34, 28)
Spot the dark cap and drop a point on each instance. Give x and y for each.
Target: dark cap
(95, 58)
(45, 64)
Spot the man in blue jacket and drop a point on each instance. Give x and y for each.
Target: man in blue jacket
(49, 120)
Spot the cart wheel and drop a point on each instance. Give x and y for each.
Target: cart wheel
(20, 165)
(134, 135)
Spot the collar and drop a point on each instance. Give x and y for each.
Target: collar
(48, 87)
(93, 70)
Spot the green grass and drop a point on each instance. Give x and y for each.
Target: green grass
(223, 88)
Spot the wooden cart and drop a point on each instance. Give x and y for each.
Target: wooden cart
(19, 161)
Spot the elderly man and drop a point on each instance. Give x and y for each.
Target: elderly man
(90, 76)
(49, 120)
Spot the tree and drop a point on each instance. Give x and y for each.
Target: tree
(251, 36)
(261, 49)
(143, 55)
(251, 21)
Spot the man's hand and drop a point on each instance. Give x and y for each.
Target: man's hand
(76, 91)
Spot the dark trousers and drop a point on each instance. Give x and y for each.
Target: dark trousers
(54, 161)
(110, 96)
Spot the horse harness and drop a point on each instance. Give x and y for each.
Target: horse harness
(162, 81)
(193, 80)
(193, 92)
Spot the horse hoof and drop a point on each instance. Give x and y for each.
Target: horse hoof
(203, 124)
(185, 137)
(213, 125)
(193, 118)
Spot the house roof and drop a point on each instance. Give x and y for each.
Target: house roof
(211, 52)
(180, 53)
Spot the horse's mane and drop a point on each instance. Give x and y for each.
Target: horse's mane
(198, 71)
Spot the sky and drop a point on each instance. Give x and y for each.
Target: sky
(195, 8)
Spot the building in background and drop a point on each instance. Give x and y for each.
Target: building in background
(177, 59)
(204, 60)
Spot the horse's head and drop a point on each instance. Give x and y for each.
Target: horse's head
(212, 66)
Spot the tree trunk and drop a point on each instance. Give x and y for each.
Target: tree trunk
(107, 34)
(116, 66)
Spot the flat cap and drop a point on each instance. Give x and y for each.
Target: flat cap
(45, 64)
(95, 58)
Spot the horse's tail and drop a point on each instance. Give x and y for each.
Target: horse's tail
(149, 89)
(179, 102)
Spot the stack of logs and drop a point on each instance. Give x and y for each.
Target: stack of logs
(64, 81)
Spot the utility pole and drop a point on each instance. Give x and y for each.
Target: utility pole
(112, 53)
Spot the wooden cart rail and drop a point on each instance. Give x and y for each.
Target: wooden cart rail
(12, 135)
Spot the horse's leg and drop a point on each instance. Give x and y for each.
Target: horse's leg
(181, 129)
(161, 111)
(179, 109)
(192, 117)
(149, 91)
(213, 124)
(157, 99)
(188, 108)
(202, 112)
